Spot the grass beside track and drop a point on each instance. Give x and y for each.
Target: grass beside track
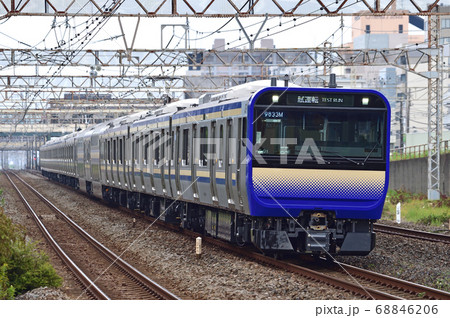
(416, 208)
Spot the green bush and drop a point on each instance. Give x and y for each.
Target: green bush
(22, 266)
(29, 269)
(7, 291)
(435, 219)
(396, 196)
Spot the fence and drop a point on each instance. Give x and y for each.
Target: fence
(418, 151)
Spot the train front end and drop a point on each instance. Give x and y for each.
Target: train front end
(319, 168)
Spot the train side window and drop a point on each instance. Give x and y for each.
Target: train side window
(141, 148)
(176, 153)
(137, 150)
(134, 146)
(171, 145)
(212, 144)
(124, 150)
(146, 147)
(108, 151)
(156, 145)
(185, 153)
(203, 161)
(244, 128)
(221, 143)
(114, 150)
(120, 151)
(230, 138)
(163, 145)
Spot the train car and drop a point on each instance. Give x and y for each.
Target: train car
(287, 169)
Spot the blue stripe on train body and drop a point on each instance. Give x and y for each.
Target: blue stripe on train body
(357, 201)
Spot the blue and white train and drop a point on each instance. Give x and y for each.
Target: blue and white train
(287, 169)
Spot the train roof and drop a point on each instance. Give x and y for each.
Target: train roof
(227, 100)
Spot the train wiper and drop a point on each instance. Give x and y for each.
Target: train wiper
(367, 157)
(341, 156)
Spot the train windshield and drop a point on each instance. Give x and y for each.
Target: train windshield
(344, 134)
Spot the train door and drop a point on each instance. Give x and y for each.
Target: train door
(87, 159)
(74, 156)
(194, 161)
(240, 159)
(212, 152)
(185, 170)
(177, 161)
(122, 162)
(229, 151)
(163, 160)
(151, 160)
(157, 177)
(145, 177)
(115, 163)
(132, 163)
(137, 173)
(102, 162)
(129, 160)
(221, 141)
(203, 164)
(108, 172)
(80, 158)
(170, 163)
(95, 157)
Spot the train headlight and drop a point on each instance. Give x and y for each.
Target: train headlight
(365, 101)
(275, 98)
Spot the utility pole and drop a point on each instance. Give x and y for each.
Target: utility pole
(434, 76)
(408, 108)
(401, 101)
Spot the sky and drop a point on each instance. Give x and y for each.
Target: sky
(28, 32)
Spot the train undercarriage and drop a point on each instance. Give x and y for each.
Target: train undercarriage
(313, 232)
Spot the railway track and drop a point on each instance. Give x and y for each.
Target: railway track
(109, 277)
(362, 282)
(422, 235)
(359, 281)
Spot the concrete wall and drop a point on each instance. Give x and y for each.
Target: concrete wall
(412, 175)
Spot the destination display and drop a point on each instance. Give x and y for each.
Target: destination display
(320, 100)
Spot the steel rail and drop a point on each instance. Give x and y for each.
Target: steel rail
(138, 276)
(89, 285)
(428, 236)
(306, 272)
(368, 292)
(427, 292)
(384, 280)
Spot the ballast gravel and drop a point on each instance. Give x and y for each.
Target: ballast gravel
(169, 257)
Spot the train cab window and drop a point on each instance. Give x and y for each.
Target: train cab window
(203, 161)
(336, 134)
(185, 152)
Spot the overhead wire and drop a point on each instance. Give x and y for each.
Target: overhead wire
(68, 59)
